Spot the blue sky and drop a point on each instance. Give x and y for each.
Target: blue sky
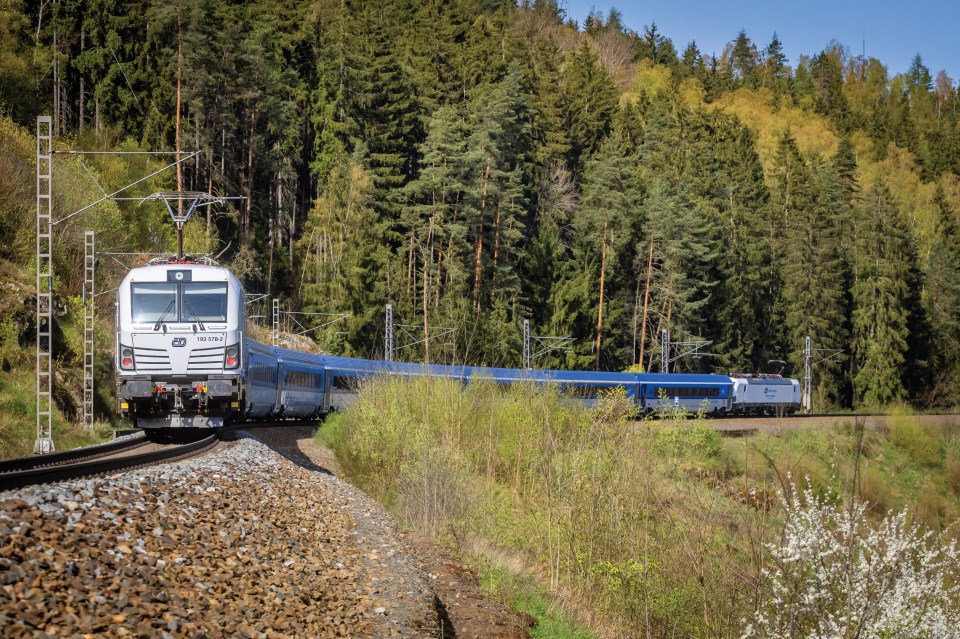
(893, 31)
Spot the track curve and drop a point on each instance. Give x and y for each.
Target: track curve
(44, 474)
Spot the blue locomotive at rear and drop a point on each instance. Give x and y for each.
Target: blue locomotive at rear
(180, 344)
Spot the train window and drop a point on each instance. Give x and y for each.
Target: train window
(265, 374)
(585, 391)
(151, 300)
(345, 383)
(203, 301)
(683, 391)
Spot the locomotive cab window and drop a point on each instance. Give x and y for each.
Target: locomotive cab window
(178, 302)
(203, 301)
(152, 300)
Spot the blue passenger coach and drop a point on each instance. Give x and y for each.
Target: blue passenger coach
(669, 391)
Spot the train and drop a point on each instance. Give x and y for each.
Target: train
(184, 361)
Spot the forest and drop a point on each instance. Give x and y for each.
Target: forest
(478, 163)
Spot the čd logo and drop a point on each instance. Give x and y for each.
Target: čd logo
(179, 341)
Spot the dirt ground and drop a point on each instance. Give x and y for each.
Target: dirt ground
(465, 611)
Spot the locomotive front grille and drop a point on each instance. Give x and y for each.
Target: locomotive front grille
(204, 360)
(151, 359)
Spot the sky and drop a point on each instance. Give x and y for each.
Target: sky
(893, 31)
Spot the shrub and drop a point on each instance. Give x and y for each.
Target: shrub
(837, 575)
(911, 438)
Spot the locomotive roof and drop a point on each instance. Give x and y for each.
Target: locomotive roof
(158, 272)
(766, 381)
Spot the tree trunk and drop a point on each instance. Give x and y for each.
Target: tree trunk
(646, 299)
(270, 262)
(410, 263)
(603, 267)
(426, 324)
(477, 264)
(496, 248)
(83, 90)
(245, 231)
(209, 191)
(427, 262)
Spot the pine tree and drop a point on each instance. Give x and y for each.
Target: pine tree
(941, 299)
(775, 73)
(744, 59)
(334, 99)
(343, 258)
(604, 227)
(438, 247)
(498, 145)
(18, 95)
(827, 73)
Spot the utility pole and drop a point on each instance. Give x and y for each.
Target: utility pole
(691, 347)
(526, 344)
(664, 351)
(388, 335)
(808, 363)
(536, 345)
(89, 259)
(44, 441)
(276, 322)
(44, 261)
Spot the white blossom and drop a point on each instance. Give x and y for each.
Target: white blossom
(836, 575)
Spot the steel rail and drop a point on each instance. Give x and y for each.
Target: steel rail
(71, 456)
(32, 477)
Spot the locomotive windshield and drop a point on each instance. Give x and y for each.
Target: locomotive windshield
(203, 301)
(151, 300)
(184, 302)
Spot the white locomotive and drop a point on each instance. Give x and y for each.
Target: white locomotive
(765, 394)
(180, 344)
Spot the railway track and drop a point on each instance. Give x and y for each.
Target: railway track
(108, 458)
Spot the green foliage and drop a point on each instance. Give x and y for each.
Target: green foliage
(521, 593)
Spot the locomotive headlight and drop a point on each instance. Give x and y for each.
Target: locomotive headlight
(126, 357)
(231, 358)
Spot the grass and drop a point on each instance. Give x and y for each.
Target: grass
(18, 420)
(521, 593)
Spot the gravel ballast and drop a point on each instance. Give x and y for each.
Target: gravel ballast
(240, 543)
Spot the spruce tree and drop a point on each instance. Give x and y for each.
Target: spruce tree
(885, 258)
(589, 102)
(741, 200)
(813, 273)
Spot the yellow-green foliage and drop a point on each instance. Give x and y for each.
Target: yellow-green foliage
(651, 80)
(815, 138)
(756, 109)
(916, 442)
(655, 525)
(17, 192)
